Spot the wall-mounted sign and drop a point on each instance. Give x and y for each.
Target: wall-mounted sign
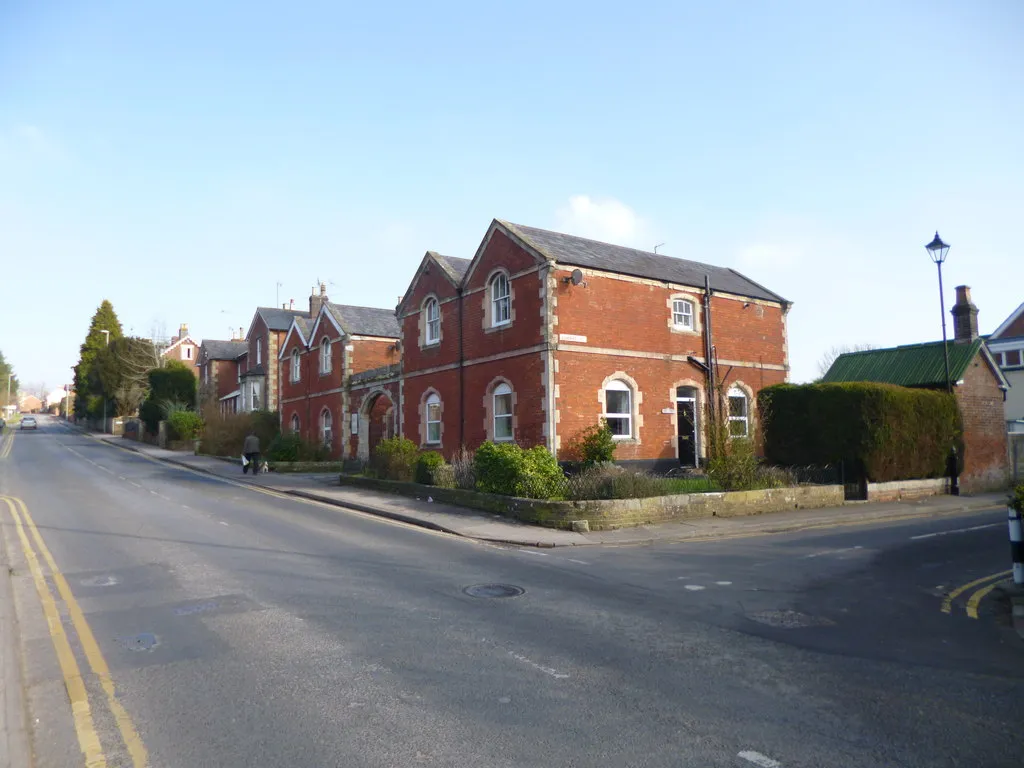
(572, 337)
(668, 410)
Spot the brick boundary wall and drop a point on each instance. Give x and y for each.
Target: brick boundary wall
(618, 513)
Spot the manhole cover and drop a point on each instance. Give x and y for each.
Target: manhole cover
(144, 641)
(789, 619)
(494, 590)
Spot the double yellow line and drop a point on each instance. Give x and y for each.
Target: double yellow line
(974, 600)
(6, 442)
(81, 710)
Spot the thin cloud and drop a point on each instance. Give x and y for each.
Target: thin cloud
(606, 219)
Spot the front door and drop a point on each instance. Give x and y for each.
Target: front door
(686, 424)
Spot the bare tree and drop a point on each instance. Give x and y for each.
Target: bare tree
(826, 360)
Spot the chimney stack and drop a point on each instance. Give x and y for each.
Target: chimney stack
(965, 316)
(315, 302)
(291, 303)
(241, 333)
(183, 330)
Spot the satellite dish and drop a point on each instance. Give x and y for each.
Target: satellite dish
(577, 277)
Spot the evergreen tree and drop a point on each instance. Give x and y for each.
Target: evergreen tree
(7, 381)
(89, 393)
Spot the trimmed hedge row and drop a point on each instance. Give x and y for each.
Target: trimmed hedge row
(885, 431)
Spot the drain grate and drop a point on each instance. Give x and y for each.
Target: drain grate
(144, 641)
(789, 619)
(494, 590)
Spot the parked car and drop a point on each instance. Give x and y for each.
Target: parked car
(29, 422)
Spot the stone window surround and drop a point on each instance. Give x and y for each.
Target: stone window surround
(428, 393)
(326, 427)
(694, 299)
(488, 403)
(295, 369)
(326, 361)
(488, 324)
(636, 398)
(296, 425)
(422, 322)
(749, 393)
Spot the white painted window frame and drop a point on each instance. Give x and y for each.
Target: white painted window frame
(737, 393)
(682, 319)
(618, 385)
(432, 321)
(503, 390)
(296, 367)
(433, 401)
(325, 356)
(501, 304)
(326, 427)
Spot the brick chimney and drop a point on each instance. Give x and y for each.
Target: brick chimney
(315, 302)
(965, 316)
(183, 330)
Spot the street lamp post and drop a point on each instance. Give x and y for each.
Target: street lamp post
(938, 250)
(107, 335)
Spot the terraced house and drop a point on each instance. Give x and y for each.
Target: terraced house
(318, 359)
(543, 334)
(537, 337)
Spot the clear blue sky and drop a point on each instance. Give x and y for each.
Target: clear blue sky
(182, 161)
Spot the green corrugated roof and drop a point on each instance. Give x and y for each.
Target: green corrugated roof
(915, 365)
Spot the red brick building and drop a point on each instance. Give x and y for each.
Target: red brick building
(317, 361)
(219, 373)
(978, 384)
(184, 349)
(258, 379)
(537, 337)
(543, 334)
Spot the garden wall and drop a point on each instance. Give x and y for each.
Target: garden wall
(618, 513)
(906, 490)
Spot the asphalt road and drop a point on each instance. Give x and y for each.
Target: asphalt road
(246, 629)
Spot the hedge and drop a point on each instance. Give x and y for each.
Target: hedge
(882, 431)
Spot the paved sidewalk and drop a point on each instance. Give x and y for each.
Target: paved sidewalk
(495, 528)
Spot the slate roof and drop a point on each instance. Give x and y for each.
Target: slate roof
(453, 265)
(914, 365)
(224, 350)
(279, 319)
(581, 252)
(365, 321)
(305, 325)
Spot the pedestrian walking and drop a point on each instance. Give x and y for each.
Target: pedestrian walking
(251, 453)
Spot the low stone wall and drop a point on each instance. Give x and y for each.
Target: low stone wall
(304, 466)
(618, 513)
(907, 490)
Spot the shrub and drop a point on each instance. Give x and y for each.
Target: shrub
(610, 482)
(184, 425)
(883, 431)
(460, 473)
(497, 467)
(1017, 498)
(507, 469)
(395, 459)
(427, 465)
(597, 445)
(290, 447)
(223, 434)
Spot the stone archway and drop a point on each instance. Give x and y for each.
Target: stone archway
(376, 422)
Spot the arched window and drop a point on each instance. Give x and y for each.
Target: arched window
(739, 412)
(682, 314)
(325, 355)
(296, 369)
(618, 408)
(501, 300)
(432, 311)
(433, 419)
(295, 423)
(326, 433)
(503, 413)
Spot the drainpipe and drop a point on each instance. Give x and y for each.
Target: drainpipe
(462, 377)
(708, 348)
